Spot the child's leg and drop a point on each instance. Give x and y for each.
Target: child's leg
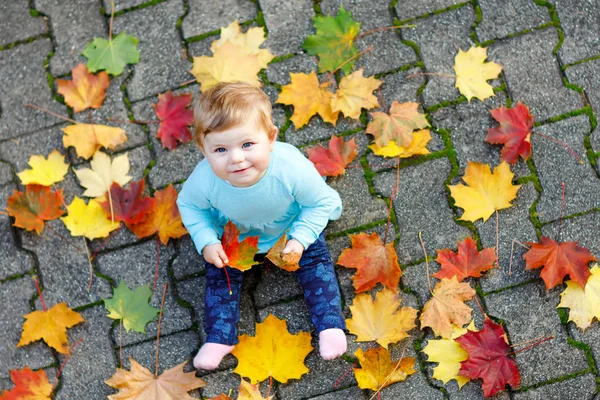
(221, 315)
(317, 278)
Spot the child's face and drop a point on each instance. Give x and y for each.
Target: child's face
(240, 154)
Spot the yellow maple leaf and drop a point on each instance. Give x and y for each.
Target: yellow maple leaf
(446, 307)
(104, 172)
(472, 73)
(50, 326)
(248, 42)
(249, 391)
(272, 352)
(354, 93)
(85, 90)
(448, 354)
(417, 146)
(583, 304)
(229, 63)
(398, 126)
(378, 370)
(308, 98)
(89, 138)
(141, 384)
(45, 172)
(485, 192)
(379, 319)
(88, 220)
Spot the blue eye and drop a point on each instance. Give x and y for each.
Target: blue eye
(247, 144)
(220, 150)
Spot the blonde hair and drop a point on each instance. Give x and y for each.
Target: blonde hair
(228, 104)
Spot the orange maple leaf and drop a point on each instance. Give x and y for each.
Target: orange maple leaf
(240, 254)
(559, 260)
(29, 385)
(165, 220)
(468, 261)
(333, 161)
(374, 261)
(86, 90)
(38, 204)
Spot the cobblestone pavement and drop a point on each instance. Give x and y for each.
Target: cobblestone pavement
(550, 51)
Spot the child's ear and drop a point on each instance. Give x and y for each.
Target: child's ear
(274, 138)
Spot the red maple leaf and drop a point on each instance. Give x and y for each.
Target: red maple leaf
(332, 161)
(559, 260)
(174, 116)
(129, 205)
(240, 254)
(489, 358)
(38, 204)
(466, 262)
(28, 385)
(514, 132)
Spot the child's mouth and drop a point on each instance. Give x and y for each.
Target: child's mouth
(240, 170)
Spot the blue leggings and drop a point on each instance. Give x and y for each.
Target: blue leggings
(316, 276)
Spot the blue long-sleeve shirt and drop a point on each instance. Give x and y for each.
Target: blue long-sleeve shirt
(291, 195)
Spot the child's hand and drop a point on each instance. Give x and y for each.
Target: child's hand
(293, 246)
(214, 254)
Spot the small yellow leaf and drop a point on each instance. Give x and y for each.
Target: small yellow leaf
(249, 42)
(417, 146)
(88, 220)
(354, 93)
(45, 172)
(103, 173)
(249, 391)
(87, 139)
(583, 304)
(472, 72)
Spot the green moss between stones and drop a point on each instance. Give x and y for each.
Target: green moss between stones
(138, 7)
(356, 229)
(476, 22)
(435, 12)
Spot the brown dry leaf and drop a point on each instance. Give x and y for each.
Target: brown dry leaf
(289, 261)
(355, 92)
(398, 126)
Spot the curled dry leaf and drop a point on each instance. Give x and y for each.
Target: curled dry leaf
(288, 261)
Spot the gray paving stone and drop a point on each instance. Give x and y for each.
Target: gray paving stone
(5, 173)
(511, 16)
(202, 47)
(141, 260)
(353, 392)
(163, 63)
(188, 261)
(71, 34)
(288, 24)
(409, 9)
(316, 129)
(279, 72)
(16, 23)
(275, 285)
(514, 224)
(541, 90)
(415, 387)
(579, 22)
(25, 63)
(439, 37)
(207, 16)
(14, 260)
(582, 229)
(122, 4)
(42, 142)
(294, 312)
(584, 75)
(15, 295)
(222, 382)
(580, 387)
(591, 336)
(555, 165)
(470, 391)
(93, 360)
(530, 312)
(421, 206)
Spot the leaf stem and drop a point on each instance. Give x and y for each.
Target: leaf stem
(187, 83)
(426, 264)
(65, 361)
(112, 212)
(121, 343)
(389, 375)
(430, 74)
(79, 249)
(37, 286)
(50, 112)
(162, 306)
(385, 28)
(270, 386)
(570, 150)
(346, 62)
(531, 345)
(112, 17)
(128, 121)
(337, 383)
(228, 280)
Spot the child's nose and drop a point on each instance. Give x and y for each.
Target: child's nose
(237, 156)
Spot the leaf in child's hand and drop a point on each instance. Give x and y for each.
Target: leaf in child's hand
(29, 385)
(417, 146)
(354, 93)
(38, 204)
(583, 304)
(103, 173)
(288, 261)
(248, 42)
(398, 126)
(88, 220)
(175, 117)
(87, 139)
(86, 90)
(164, 220)
(240, 254)
(131, 306)
(514, 132)
(374, 261)
(141, 384)
(489, 358)
(112, 55)
(129, 205)
(333, 160)
(472, 72)
(468, 261)
(378, 370)
(446, 307)
(50, 326)
(272, 352)
(380, 319)
(485, 192)
(44, 171)
(559, 260)
(309, 97)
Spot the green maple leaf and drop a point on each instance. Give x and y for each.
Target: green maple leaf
(112, 55)
(334, 41)
(131, 306)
